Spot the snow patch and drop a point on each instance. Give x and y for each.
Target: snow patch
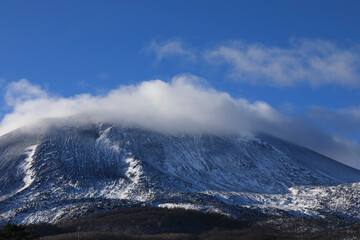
(104, 140)
(187, 206)
(26, 167)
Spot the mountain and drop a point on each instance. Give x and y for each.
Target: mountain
(64, 170)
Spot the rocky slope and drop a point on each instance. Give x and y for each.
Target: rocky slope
(66, 170)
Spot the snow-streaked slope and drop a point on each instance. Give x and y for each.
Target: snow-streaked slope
(71, 170)
(27, 168)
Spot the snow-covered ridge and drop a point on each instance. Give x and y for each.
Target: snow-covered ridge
(71, 171)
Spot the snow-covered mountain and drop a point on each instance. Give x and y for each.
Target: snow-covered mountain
(67, 170)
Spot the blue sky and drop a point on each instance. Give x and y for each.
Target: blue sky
(300, 57)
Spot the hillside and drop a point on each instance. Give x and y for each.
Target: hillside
(67, 170)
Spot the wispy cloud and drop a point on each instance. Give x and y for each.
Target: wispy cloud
(316, 62)
(21, 91)
(339, 120)
(170, 48)
(182, 105)
(2, 82)
(103, 76)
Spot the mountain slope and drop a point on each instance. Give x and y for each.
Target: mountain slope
(68, 170)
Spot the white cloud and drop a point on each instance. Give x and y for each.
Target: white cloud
(18, 92)
(183, 105)
(314, 61)
(170, 48)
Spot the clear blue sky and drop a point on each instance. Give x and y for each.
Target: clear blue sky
(73, 47)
